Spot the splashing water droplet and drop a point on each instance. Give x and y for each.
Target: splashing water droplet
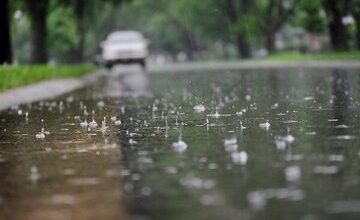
(240, 158)
(265, 126)
(292, 173)
(199, 108)
(179, 146)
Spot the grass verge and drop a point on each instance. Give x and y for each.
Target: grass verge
(15, 76)
(296, 56)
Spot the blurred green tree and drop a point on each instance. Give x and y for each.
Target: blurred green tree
(272, 15)
(84, 14)
(309, 16)
(70, 30)
(237, 12)
(63, 34)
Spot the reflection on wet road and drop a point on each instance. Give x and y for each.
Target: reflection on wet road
(249, 144)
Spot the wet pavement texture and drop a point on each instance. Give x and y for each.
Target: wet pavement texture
(246, 144)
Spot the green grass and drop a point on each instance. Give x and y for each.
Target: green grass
(15, 76)
(296, 56)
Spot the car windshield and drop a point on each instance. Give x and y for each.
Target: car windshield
(124, 38)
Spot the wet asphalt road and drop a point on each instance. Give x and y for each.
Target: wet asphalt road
(161, 158)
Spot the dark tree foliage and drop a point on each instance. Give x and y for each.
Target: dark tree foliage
(5, 49)
(310, 16)
(187, 35)
(84, 13)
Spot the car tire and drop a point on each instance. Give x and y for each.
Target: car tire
(142, 64)
(108, 66)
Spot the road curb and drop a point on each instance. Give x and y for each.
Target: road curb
(45, 90)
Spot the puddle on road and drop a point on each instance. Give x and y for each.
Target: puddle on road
(195, 145)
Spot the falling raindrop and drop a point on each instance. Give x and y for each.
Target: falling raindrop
(103, 126)
(85, 111)
(27, 117)
(177, 117)
(61, 106)
(84, 124)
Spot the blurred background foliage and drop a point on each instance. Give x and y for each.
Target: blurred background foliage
(183, 29)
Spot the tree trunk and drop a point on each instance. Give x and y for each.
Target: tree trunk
(38, 15)
(270, 42)
(187, 37)
(356, 14)
(358, 34)
(190, 44)
(79, 13)
(274, 17)
(242, 46)
(5, 49)
(225, 52)
(339, 36)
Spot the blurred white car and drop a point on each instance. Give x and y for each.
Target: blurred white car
(124, 47)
